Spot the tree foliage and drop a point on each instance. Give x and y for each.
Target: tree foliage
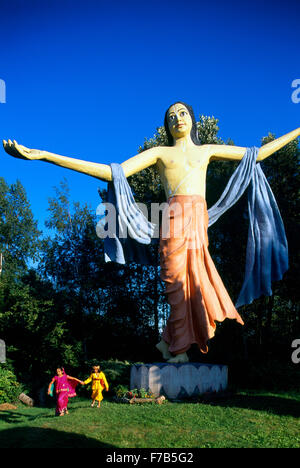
(19, 235)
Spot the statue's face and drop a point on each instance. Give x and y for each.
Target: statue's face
(179, 121)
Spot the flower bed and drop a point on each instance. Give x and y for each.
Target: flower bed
(135, 396)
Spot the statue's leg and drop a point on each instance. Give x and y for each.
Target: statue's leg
(178, 332)
(163, 347)
(182, 357)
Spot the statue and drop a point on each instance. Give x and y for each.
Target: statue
(195, 291)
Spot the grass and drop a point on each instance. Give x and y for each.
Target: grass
(247, 419)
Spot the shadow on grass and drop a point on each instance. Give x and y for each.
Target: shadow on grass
(272, 404)
(37, 437)
(12, 417)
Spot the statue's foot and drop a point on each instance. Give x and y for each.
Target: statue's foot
(163, 347)
(183, 357)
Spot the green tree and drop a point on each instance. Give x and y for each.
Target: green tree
(19, 235)
(36, 330)
(73, 260)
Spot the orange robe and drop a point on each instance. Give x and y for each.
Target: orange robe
(196, 293)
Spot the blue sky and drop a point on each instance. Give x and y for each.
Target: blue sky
(92, 79)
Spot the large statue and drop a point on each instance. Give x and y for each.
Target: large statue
(195, 291)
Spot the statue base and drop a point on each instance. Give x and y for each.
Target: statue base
(176, 381)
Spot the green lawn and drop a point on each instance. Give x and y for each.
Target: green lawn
(252, 419)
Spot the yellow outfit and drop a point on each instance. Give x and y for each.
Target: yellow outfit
(99, 382)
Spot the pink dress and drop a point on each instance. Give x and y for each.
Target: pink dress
(64, 388)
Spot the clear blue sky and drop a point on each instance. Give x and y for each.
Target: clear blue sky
(92, 79)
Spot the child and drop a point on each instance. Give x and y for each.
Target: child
(64, 387)
(99, 382)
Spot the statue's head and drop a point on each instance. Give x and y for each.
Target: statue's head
(180, 121)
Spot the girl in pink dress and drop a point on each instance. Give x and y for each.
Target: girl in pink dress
(64, 388)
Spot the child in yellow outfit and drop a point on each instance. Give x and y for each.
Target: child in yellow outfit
(99, 382)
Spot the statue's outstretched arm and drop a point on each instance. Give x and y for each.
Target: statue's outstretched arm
(98, 170)
(141, 161)
(266, 150)
(235, 153)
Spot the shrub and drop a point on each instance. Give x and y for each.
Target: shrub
(10, 388)
(121, 391)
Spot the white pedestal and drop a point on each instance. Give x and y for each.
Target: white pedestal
(179, 380)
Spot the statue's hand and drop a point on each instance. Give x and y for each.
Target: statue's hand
(20, 151)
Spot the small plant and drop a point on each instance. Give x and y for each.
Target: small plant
(123, 392)
(145, 394)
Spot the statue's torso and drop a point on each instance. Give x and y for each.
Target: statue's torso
(183, 172)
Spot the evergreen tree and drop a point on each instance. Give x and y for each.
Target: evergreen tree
(19, 235)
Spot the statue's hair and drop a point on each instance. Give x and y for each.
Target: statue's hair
(194, 130)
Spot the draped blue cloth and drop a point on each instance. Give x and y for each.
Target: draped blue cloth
(267, 249)
(121, 247)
